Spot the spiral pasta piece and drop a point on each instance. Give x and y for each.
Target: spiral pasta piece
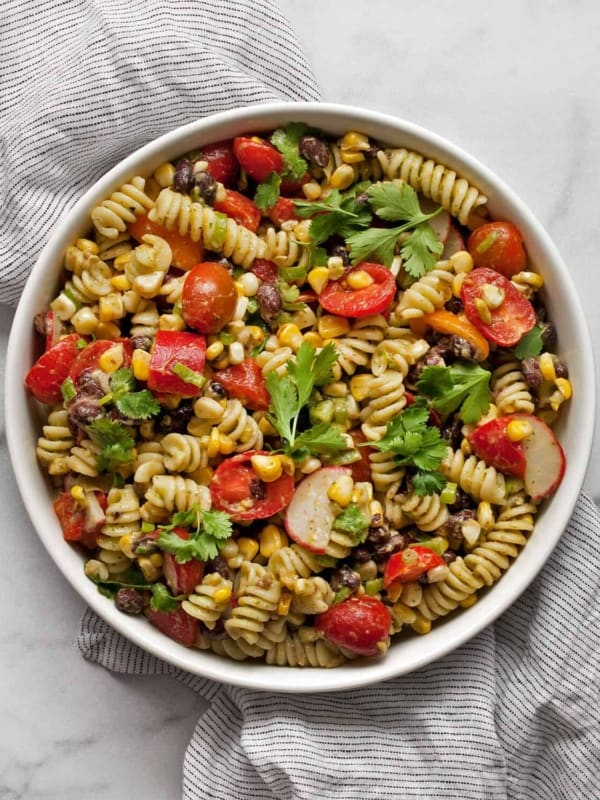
(83, 458)
(225, 646)
(429, 293)
(386, 473)
(182, 453)
(355, 349)
(311, 595)
(510, 391)
(443, 597)
(122, 519)
(112, 216)
(170, 493)
(427, 512)
(386, 399)
(435, 181)
(54, 446)
(149, 461)
(296, 652)
(257, 600)
(474, 477)
(289, 563)
(210, 600)
(148, 264)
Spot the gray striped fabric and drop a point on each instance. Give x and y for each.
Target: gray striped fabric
(512, 714)
(83, 83)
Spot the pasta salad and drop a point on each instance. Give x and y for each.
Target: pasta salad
(299, 396)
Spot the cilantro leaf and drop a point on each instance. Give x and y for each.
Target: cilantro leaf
(462, 386)
(284, 407)
(138, 405)
(531, 344)
(122, 382)
(425, 483)
(353, 522)
(210, 528)
(287, 141)
(420, 251)
(321, 438)
(392, 202)
(162, 599)
(115, 442)
(378, 243)
(336, 213)
(267, 192)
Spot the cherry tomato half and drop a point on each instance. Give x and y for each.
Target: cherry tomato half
(185, 253)
(283, 211)
(88, 357)
(409, 564)
(182, 578)
(46, 376)
(222, 163)
(245, 381)
(169, 349)
(72, 518)
(513, 317)
(490, 442)
(208, 298)
(359, 624)
(338, 298)
(236, 489)
(257, 157)
(265, 270)
(240, 208)
(176, 624)
(499, 246)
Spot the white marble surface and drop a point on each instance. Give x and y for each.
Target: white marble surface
(514, 83)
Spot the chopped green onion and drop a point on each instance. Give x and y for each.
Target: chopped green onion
(341, 595)
(216, 236)
(80, 344)
(448, 494)
(147, 527)
(438, 544)
(188, 375)
(68, 390)
(374, 586)
(226, 338)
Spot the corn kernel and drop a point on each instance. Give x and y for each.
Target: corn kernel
(330, 326)
(121, 282)
(214, 350)
(533, 279)
(492, 295)
(149, 571)
(164, 175)
(518, 429)
(461, 262)
(421, 625)
(353, 140)
(360, 386)
(111, 359)
(483, 310)
(288, 465)
(85, 320)
(283, 606)
(267, 468)
(78, 494)
(314, 338)
(271, 539)
(87, 246)
(140, 364)
(342, 177)
(236, 353)
(248, 547)
(317, 278)
(107, 330)
(335, 267)
(311, 190)
(122, 261)
(564, 387)
(341, 490)
(351, 157)
(394, 591)
(126, 545)
(468, 601)
(457, 283)
(222, 595)
(359, 279)
(226, 444)
(302, 231)
(289, 335)
(256, 333)
(249, 283)
(201, 475)
(336, 389)
(471, 531)
(213, 444)
(266, 428)
(547, 368)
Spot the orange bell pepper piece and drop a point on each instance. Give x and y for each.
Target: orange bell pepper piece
(444, 321)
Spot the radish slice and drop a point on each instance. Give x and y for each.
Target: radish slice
(309, 517)
(441, 223)
(454, 242)
(545, 459)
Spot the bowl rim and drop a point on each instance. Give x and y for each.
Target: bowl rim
(446, 635)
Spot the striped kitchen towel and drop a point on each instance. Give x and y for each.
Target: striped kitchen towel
(511, 715)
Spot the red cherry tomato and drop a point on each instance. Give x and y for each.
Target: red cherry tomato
(265, 270)
(359, 624)
(87, 357)
(176, 625)
(236, 489)
(222, 163)
(491, 443)
(283, 210)
(182, 578)
(185, 253)
(208, 298)
(510, 321)
(410, 564)
(46, 376)
(361, 470)
(499, 246)
(245, 381)
(169, 349)
(291, 188)
(72, 520)
(257, 157)
(240, 208)
(338, 298)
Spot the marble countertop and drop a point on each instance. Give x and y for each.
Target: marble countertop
(513, 86)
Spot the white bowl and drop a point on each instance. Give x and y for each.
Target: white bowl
(575, 427)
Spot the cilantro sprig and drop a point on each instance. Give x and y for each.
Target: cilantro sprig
(531, 344)
(115, 442)
(416, 444)
(267, 192)
(287, 141)
(419, 249)
(207, 532)
(292, 391)
(463, 386)
(335, 214)
(137, 405)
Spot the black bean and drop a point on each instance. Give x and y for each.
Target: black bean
(373, 150)
(218, 564)
(141, 342)
(129, 601)
(269, 302)
(530, 367)
(378, 534)
(218, 632)
(397, 542)
(83, 410)
(452, 432)
(205, 187)
(184, 176)
(86, 383)
(145, 546)
(454, 305)
(461, 501)
(341, 251)
(455, 522)
(176, 420)
(560, 368)
(436, 355)
(314, 150)
(449, 556)
(548, 334)
(344, 576)
(462, 348)
(362, 555)
(217, 389)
